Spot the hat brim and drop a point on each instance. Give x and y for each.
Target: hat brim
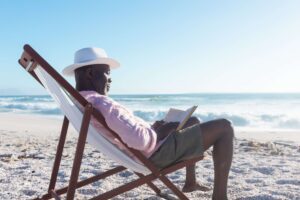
(69, 70)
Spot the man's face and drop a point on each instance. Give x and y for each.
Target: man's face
(101, 78)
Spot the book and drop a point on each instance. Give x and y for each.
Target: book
(181, 116)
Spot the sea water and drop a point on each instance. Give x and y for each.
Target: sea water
(259, 111)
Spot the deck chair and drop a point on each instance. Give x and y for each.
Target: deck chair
(79, 112)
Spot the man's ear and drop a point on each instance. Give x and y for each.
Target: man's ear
(89, 73)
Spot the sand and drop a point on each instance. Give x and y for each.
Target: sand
(266, 165)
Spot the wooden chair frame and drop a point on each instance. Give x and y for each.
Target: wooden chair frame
(31, 59)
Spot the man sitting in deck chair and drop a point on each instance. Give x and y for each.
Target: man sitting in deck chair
(92, 70)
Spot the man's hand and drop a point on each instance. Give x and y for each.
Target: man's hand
(163, 129)
(157, 124)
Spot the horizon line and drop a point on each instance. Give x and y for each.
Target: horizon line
(188, 93)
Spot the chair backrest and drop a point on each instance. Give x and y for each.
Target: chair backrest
(75, 115)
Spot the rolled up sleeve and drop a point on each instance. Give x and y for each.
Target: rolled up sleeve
(134, 132)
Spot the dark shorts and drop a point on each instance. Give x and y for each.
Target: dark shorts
(180, 145)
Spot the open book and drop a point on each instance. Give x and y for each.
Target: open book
(181, 116)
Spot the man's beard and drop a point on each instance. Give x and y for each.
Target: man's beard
(107, 88)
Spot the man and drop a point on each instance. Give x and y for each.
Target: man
(159, 142)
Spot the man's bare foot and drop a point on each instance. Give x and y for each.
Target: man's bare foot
(194, 187)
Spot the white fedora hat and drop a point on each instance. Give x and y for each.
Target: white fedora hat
(90, 56)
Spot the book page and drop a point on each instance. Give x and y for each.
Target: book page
(174, 115)
(181, 116)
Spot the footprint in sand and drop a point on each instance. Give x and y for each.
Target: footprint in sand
(23, 167)
(264, 197)
(174, 176)
(96, 184)
(92, 171)
(264, 170)
(62, 175)
(29, 192)
(237, 170)
(87, 191)
(253, 181)
(289, 182)
(208, 166)
(125, 174)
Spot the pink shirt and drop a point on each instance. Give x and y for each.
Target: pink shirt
(133, 131)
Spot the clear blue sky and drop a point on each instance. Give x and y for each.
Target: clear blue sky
(163, 46)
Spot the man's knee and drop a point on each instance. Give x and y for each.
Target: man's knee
(227, 125)
(194, 120)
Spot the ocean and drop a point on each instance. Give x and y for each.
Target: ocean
(249, 111)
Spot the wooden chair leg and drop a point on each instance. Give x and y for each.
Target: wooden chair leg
(79, 151)
(84, 182)
(125, 187)
(59, 152)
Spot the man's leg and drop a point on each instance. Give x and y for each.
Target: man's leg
(219, 134)
(191, 183)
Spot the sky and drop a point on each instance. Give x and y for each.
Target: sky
(163, 46)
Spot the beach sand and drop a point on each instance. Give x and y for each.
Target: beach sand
(266, 165)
